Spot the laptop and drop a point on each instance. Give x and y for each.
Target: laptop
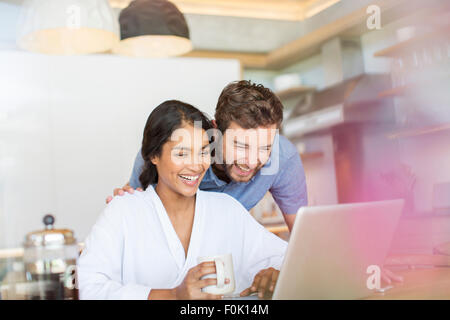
(334, 250)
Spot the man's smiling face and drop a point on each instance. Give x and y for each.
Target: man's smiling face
(246, 151)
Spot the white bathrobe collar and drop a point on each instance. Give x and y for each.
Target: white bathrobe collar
(173, 241)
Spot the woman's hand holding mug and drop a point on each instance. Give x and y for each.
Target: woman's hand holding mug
(192, 285)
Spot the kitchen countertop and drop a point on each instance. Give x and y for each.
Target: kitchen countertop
(423, 284)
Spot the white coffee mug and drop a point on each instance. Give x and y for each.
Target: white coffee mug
(224, 270)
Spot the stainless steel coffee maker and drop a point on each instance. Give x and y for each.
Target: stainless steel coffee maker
(50, 258)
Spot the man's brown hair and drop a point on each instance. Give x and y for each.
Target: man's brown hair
(249, 105)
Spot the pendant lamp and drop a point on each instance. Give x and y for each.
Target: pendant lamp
(67, 27)
(153, 29)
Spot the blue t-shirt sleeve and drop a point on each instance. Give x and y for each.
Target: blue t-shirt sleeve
(137, 170)
(289, 188)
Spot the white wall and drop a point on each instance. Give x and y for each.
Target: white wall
(9, 15)
(70, 128)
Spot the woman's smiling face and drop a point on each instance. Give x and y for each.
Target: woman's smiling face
(184, 160)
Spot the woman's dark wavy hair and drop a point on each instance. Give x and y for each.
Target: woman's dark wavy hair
(162, 122)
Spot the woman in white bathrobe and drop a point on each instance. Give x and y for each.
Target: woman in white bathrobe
(145, 245)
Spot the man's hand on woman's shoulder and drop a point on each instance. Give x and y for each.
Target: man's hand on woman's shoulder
(121, 191)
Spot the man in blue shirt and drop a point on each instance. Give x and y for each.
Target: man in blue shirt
(256, 159)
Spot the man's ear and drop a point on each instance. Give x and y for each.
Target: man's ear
(214, 123)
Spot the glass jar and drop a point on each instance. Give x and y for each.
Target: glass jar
(50, 258)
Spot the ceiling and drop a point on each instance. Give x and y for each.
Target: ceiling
(256, 26)
(291, 10)
(222, 33)
(266, 34)
(249, 26)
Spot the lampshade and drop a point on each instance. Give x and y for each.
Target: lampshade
(67, 27)
(153, 28)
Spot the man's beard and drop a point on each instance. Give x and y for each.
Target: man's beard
(228, 170)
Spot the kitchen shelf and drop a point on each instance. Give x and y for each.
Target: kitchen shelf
(419, 131)
(18, 252)
(394, 92)
(294, 92)
(415, 86)
(410, 44)
(277, 228)
(11, 253)
(311, 155)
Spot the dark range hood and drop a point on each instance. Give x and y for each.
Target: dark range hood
(354, 100)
